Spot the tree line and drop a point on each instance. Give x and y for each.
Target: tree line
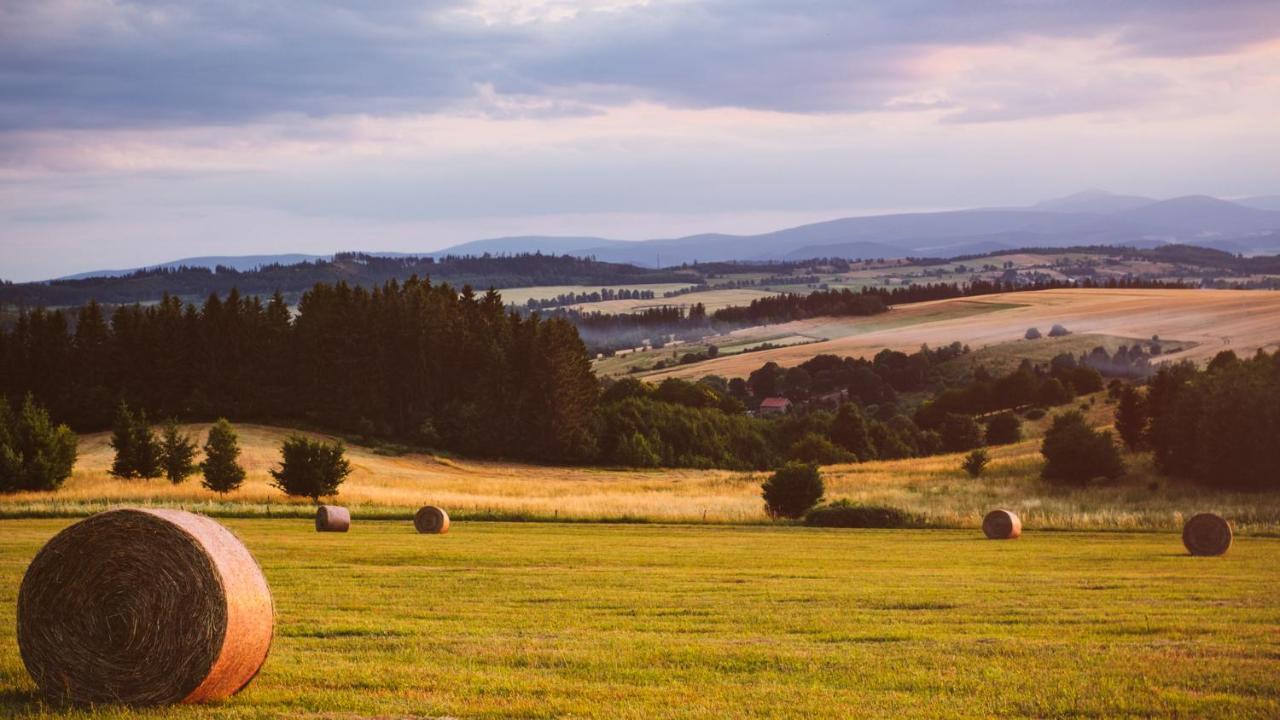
(1218, 426)
(417, 362)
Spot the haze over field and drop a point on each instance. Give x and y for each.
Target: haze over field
(134, 134)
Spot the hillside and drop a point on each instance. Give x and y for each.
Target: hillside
(384, 485)
(1210, 320)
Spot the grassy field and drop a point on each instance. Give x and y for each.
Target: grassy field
(934, 488)
(613, 621)
(1206, 321)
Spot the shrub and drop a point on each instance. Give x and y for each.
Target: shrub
(792, 490)
(1032, 334)
(177, 453)
(817, 450)
(35, 454)
(975, 462)
(844, 514)
(1076, 453)
(1004, 429)
(311, 468)
(1058, 331)
(222, 471)
(960, 433)
(1034, 413)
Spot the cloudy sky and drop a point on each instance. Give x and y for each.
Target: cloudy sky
(139, 132)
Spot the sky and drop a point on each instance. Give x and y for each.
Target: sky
(134, 133)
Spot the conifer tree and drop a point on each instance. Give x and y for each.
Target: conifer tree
(35, 454)
(1131, 418)
(137, 450)
(222, 470)
(177, 453)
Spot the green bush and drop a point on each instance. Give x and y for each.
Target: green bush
(792, 490)
(137, 449)
(1076, 453)
(975, 462)
(1034, 413)
(177, 453)
(35, 454)
(1004, 429)
(844, 514)
(311, 468)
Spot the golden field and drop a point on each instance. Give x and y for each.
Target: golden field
(1212, 320)
(933, 487)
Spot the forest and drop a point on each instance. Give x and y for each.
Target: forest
(351, 268)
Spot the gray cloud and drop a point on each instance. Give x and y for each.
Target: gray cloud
(163, 63)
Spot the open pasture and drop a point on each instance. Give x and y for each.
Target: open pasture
(617, 621)
(1215, 320)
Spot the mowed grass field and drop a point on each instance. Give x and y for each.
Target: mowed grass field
(623, 621)
(1211, 320)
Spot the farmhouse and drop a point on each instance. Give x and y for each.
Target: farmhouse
(774, 406)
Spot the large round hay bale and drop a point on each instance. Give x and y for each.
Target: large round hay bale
(431, 519)
(1001, 525)
(333, 518)
(1207, 534)
(143, 607)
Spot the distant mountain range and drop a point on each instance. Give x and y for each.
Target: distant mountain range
(1249, 226)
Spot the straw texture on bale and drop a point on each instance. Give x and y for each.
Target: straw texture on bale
(1001, 525)
(333, 518)
(143, 607)
(1207, 534)
(431, 519)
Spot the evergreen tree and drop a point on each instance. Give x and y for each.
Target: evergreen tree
(222, 471)
(1131, 418)
(849, 430)
(137, 449)
(177, 453)
(311, 468)
(35, 454)
(960, 433)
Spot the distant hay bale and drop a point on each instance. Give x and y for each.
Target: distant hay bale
(1001, 525)
(1207, 534)
(333, 518)
(143, 607)
(431, 519)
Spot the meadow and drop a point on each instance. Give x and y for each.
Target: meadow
(934, 488)
(626, 621)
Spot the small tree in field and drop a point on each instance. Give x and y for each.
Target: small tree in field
(221, 467)
(311, 468)
(35, 454)
(1131, 418)
(975, 462)
(1004, 429)
(177, 453)
(137, 450)
(793, 490)
(1075, 453)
